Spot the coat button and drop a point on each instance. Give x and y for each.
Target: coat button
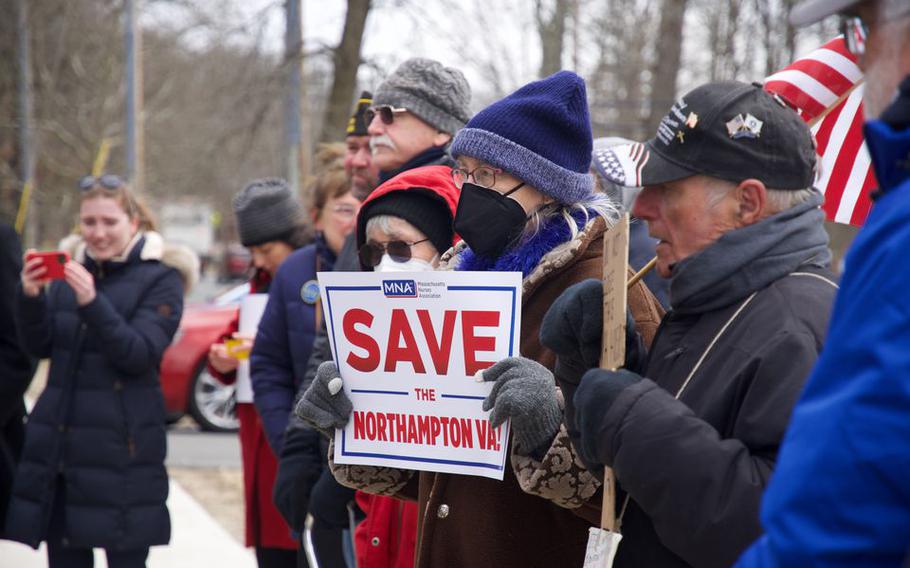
(374, 541)
(443, 511)
(61, 428)
(65, 541)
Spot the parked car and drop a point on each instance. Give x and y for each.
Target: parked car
(236, 262)
(187, 385)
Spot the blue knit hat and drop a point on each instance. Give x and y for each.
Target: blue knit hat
(541, 134)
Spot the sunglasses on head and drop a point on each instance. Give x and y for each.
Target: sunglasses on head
(107, 181)
(386, 113)
(400, 251)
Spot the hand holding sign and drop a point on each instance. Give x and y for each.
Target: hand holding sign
(408, 349)
(524, 391)
(324, 405)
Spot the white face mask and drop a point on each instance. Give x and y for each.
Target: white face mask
(386, 264)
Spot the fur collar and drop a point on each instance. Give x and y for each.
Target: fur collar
(154, 247)
(544, 254)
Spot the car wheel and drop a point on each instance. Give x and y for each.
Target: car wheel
(212, 403)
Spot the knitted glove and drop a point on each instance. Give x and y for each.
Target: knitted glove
(524, 391)
(573, 326)
(324, 404)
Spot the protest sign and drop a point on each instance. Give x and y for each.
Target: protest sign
(251, 309)
(408, 346)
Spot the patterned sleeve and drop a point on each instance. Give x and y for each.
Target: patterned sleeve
(387, 481)
(560, 476)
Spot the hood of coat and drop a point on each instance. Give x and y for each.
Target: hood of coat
(154, 247)
(553, 261)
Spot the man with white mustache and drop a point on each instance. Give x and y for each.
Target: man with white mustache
(416, 112)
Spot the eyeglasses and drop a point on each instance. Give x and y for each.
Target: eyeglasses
(344, 211)
(400, 251)
(484, 176)
(855, 32)
(107, 181)
(386, 113)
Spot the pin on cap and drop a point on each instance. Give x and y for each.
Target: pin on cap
(728, 130)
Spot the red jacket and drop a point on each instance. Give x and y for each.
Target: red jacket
(387, 538)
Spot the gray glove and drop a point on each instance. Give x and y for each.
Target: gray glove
(324, 405)
(524, 391)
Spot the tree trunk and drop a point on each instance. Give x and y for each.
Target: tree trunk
(552, 33)
(347, 61)
(666, 64)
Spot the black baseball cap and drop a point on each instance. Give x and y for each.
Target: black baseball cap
(728, 130)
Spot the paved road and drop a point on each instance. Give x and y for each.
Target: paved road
(190, 447)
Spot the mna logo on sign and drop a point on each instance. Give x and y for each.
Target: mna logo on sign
(399, 288)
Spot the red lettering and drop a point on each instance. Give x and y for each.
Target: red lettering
(467, 436)
(359, 427)
(401, 433)
(445, 430)
(380, 427)
(493, 438)
(399, 329)
(361, 340)
(474, 344)
(371, 426)
(412, 430)
(482, 426)
(423, 424)
(435, 428)
(439, 350)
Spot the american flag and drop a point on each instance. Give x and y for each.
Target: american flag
(826, 87)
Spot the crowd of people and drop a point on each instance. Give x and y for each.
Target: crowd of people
(760, 417)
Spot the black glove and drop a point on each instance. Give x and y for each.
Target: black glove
(573, 326)
(324, 405)
(598, 390)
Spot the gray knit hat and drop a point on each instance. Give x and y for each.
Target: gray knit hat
(439, 95)
(266, 210)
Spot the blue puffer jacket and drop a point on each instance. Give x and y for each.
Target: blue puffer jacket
(99, 424)
(285, 338)
(840, 495)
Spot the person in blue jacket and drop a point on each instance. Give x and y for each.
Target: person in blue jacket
(92, 471)
(293, 313)
(840, 495)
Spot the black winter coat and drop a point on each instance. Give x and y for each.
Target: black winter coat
(99, 425)
(16, 367)
(696, 467)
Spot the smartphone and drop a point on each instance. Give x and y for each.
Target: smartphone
(53, 260)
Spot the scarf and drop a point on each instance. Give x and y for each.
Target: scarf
(750, 258)
(526, 255)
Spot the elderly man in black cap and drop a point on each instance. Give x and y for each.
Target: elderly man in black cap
(691, 428)
(840, 496)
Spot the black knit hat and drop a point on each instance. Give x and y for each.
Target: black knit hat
(419, 207)
(266, 210)
(357, 124)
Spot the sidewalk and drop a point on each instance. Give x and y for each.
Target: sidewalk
(196, 540)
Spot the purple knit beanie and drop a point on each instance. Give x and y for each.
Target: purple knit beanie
(541, 134)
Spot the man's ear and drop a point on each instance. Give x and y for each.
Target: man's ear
(441, 139)
(753, 197)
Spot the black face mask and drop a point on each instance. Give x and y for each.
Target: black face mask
(488, 220)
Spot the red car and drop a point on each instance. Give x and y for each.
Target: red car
(187, 385)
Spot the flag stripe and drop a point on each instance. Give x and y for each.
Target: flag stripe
(841, 155)
(802, 90)
(854, 183)
(835, 146)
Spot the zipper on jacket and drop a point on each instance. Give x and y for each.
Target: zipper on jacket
(130, 443)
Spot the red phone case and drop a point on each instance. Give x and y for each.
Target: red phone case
(53, 261)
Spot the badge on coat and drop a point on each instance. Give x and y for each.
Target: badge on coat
(309, 292)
